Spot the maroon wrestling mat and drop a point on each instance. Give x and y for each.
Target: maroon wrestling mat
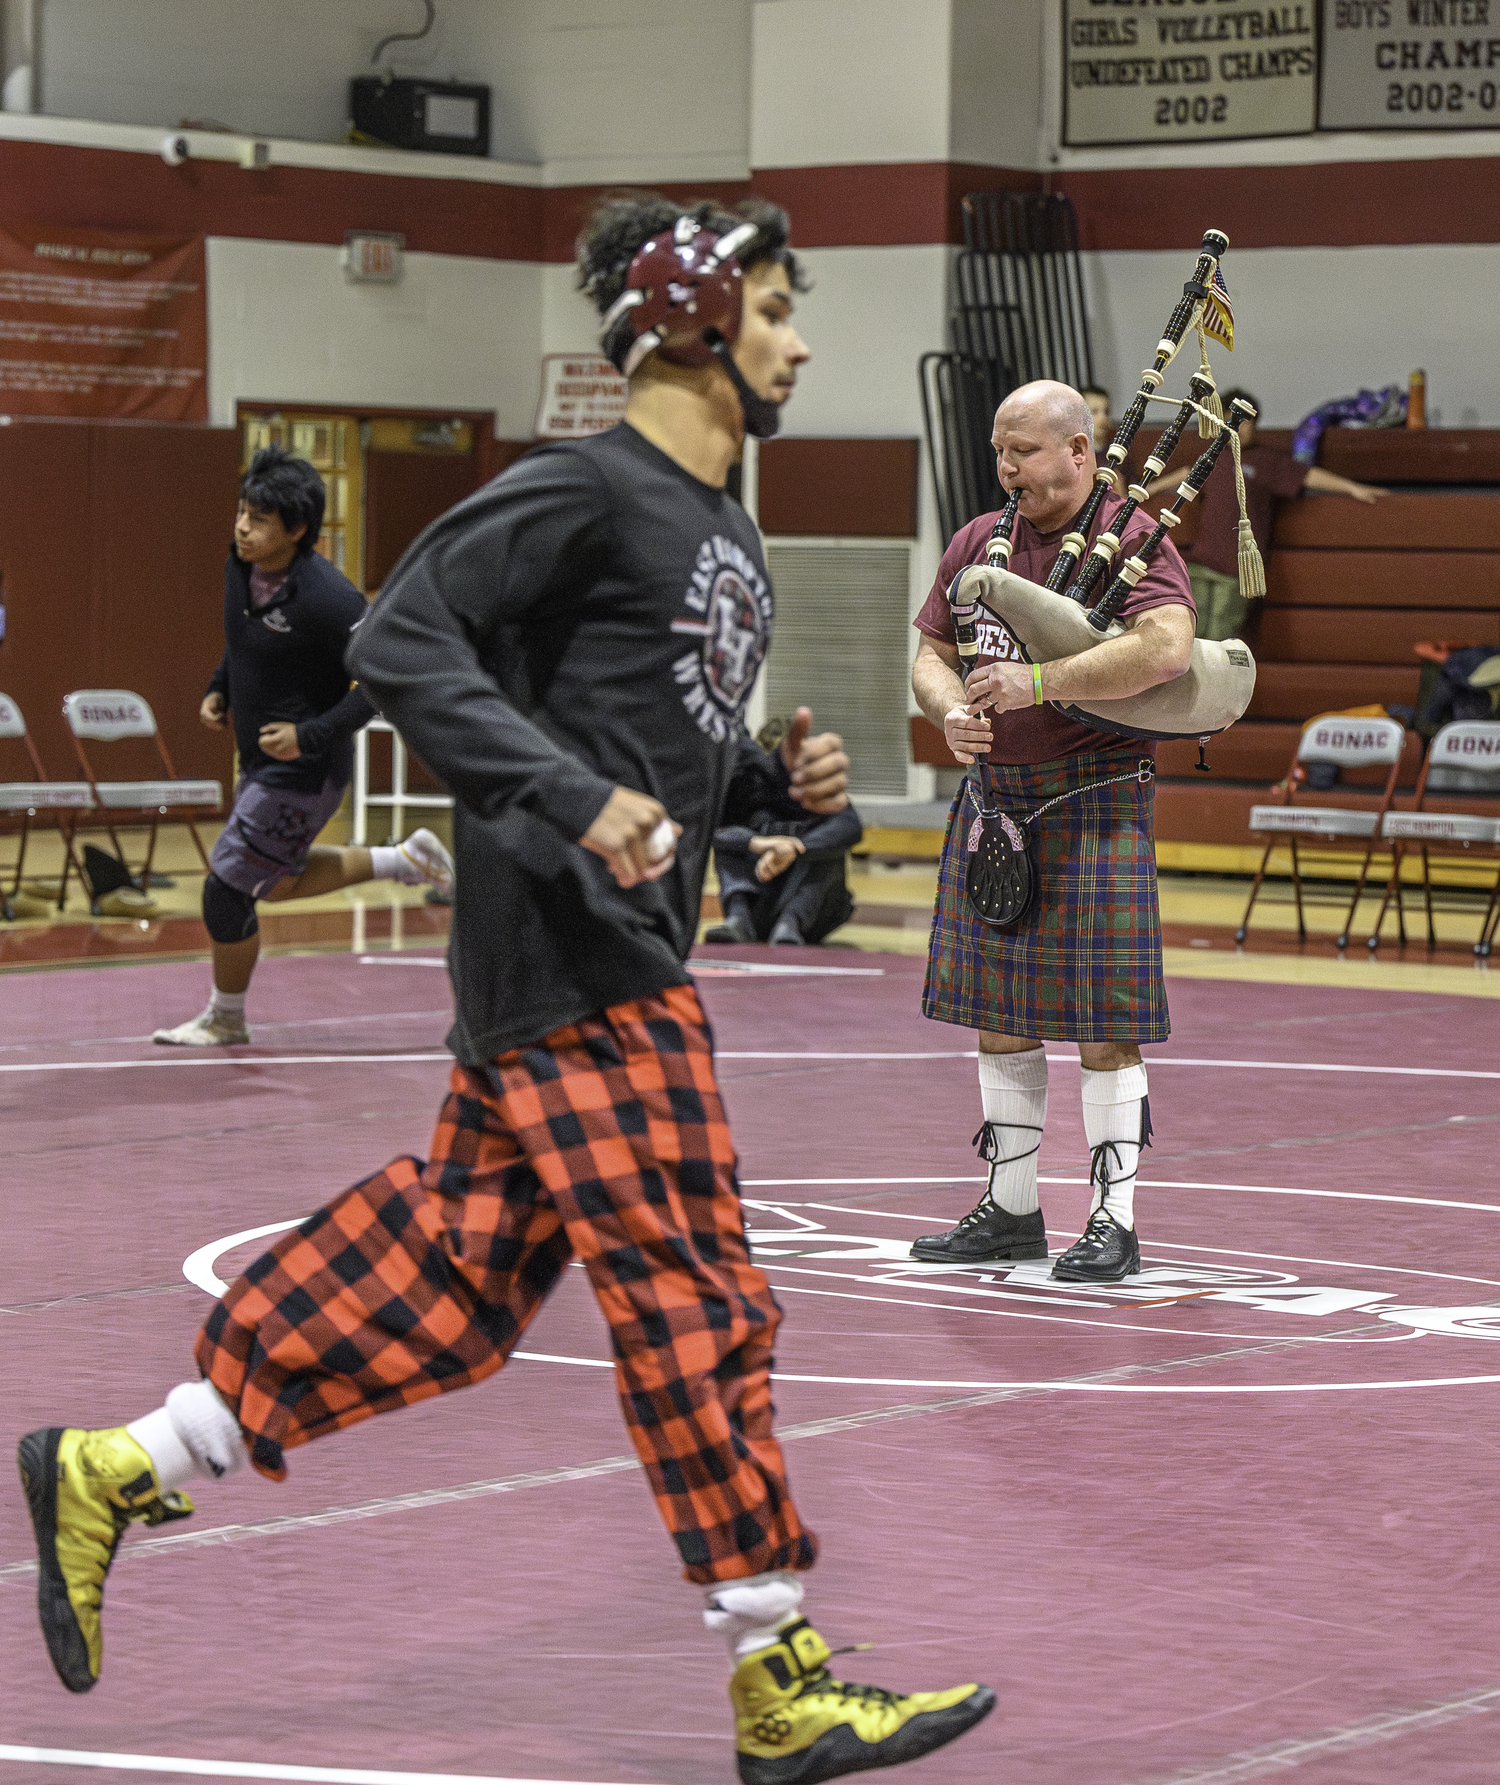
(1228, 1520)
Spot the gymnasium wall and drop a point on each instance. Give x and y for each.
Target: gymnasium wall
(871, 110)
(1354, 257)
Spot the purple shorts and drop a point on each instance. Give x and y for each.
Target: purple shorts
(269, 834)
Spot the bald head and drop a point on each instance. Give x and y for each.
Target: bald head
(1044, 446)
(1045, 407)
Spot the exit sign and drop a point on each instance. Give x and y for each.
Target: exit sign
(373, 257)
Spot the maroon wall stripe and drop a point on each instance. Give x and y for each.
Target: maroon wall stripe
(1344, 204)
(118, 189)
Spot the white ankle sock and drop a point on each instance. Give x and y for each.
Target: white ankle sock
(1116, 1111)
(170, 1457)
(751, 1612)
(387, 861)
(1013, 1094)
(204, 1424)
(227, 1003)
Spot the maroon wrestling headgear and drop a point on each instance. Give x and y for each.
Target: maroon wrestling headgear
(683, 299)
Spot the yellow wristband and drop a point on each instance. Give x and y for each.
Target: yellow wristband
(1036, 682)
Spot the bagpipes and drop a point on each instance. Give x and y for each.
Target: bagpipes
(1053, 622)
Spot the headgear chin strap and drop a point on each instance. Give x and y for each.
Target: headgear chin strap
(684, 299)
(762, 416)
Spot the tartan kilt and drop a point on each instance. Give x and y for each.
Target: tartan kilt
(1085, 962)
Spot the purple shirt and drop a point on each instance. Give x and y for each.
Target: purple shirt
(265, 585)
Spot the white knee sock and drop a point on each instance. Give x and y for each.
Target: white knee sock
(751, 1612)
(1013, 1094)
(1116, 1118)
(194, 1434)
(170, 1457)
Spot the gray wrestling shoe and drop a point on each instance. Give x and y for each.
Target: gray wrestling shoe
(212, 1028)
(425, 859)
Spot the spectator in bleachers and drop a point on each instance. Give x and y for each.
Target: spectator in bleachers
(1213, 554)
(1097, 399)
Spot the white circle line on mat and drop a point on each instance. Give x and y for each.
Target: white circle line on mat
(1422, 1202)
(198, 1269)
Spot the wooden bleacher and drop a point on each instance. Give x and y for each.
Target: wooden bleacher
(1351, 588)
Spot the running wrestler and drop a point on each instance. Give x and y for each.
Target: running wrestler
(288, 614)
(571, 649)
(1084, 964)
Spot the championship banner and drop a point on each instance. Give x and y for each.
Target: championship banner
(97, 323)
(582, 394)
(1135, 71)
(1410, 65)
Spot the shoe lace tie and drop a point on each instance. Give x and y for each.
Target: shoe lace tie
(1097, 1229)
(1100, 1176)
(822, 1683)
(987, 1144)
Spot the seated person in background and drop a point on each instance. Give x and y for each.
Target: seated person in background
(1097, 399)
(1213, 554)
(781, 866)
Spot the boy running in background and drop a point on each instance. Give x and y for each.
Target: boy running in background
(288, 616)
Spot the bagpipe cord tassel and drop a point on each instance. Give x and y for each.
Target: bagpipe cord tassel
(1209, 423)
(1251, 565)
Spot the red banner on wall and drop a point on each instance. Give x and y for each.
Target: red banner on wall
(98, 323)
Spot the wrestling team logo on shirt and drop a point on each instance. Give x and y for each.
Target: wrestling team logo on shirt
(276, 620)
(730, 601)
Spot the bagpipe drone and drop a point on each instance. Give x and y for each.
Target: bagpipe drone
(1056, 621)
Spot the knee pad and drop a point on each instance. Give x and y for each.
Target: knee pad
(228, 913)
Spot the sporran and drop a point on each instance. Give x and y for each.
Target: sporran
(1004, 875)
(1001, 880)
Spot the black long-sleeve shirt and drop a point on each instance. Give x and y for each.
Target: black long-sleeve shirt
(759, 803)
(285, 661)
(594, 617)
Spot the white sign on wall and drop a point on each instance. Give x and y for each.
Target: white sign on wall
(582, 394)
(1410, 65)
(1138, 71)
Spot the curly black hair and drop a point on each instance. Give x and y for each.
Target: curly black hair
(623, 222)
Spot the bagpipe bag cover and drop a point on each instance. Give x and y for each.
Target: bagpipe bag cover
(1209, 696)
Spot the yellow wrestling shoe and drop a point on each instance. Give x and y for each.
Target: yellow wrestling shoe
(796, 1724)
(83, 1489)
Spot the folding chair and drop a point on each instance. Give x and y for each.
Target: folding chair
(29, 798)
(105, 715)
(1328, 831)
(1463, 758)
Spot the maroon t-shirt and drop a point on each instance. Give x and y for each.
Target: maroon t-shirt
(1043, 734)
(1268, 475)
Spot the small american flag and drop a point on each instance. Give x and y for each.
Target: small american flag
(1218, 312)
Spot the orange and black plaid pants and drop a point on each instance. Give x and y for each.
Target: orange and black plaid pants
(607, 1142)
